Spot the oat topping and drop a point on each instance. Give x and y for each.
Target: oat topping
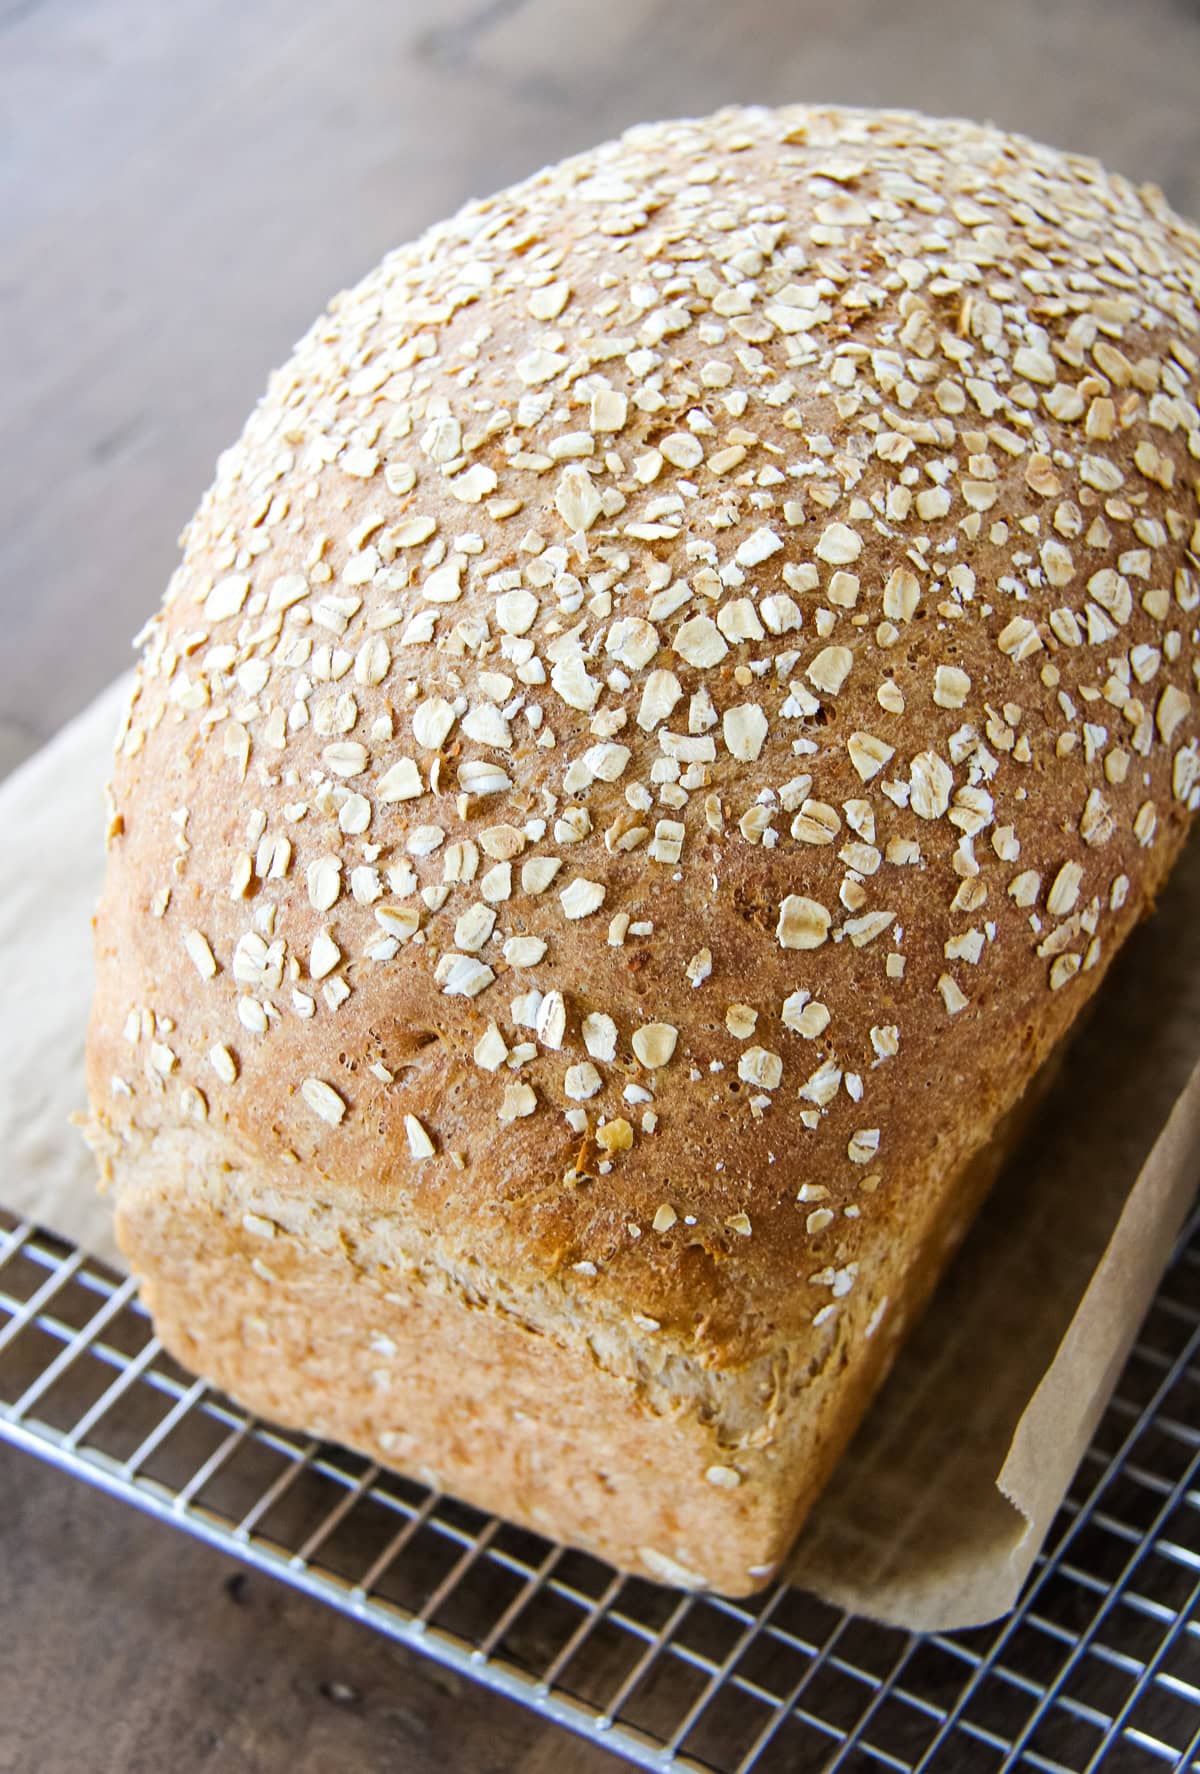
(953, 997)
(491, 1050)
(582, 1082)
(654, 1044)
(419, 1143)
(223, 1064)
(581, 898)
(323, 1100)
(757, 1065)
(803, 923)
(519, 1100)
(201, 955)
(726, 1478)
(670, 641)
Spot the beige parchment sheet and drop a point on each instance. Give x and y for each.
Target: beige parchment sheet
(936, 1513)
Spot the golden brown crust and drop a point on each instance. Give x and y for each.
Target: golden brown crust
(663, 720)
(356, 1330)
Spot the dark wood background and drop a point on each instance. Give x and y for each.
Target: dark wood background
(182, 185)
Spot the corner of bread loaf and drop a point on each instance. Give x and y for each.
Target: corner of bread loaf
(534, 1402)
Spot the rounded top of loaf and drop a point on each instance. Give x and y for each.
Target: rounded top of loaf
(668, 709)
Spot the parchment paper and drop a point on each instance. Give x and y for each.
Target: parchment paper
(936, 1513)
(51, 867)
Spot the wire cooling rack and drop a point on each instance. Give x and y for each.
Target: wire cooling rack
(1098, 1666)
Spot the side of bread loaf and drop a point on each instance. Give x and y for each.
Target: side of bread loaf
(665, 716)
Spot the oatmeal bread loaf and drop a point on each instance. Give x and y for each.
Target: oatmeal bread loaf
(663, 720)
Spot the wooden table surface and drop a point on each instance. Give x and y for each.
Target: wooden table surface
(182, 185)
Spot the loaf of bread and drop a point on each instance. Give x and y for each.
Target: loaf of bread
(663, 720)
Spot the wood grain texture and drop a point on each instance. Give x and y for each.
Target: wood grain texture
(181, 187)
(130, 1648)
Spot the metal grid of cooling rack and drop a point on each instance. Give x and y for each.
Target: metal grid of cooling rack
(1098, 1666)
